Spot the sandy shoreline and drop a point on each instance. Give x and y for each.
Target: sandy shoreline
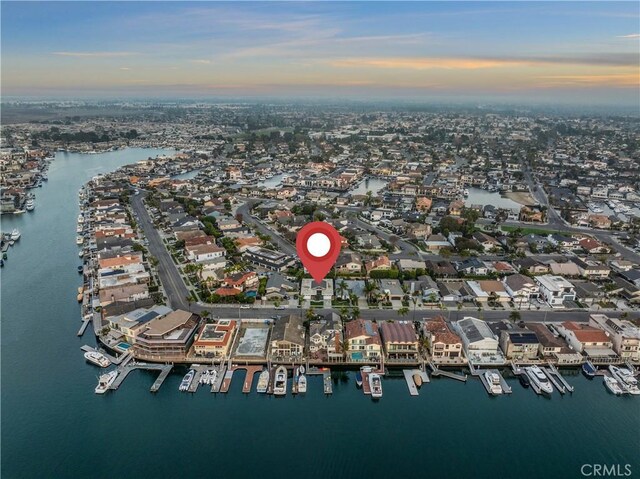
(522, 197)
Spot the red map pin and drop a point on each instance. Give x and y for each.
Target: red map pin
(318, 246)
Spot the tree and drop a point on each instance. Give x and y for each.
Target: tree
(403, 311)
(205, 314)
(189, 300)
(311, 314)
(514, 316)
(342, 288)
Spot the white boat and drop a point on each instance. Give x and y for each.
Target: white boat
(79, 240)
(105, 381)
(15, 235)
(97, 358)
(612, 385)
(625, 379)
(186, 380)
(263, 381)
(375, 383)
(540, 379)
(466, 192)
(280, 382)
(301, 369)
(213, 374)
(302, 383)
(30, 205)
(494, 383)
(204, 378)
(80, 218)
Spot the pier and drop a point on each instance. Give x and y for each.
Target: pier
(217, 384)
(560, 378)
(553, 380)
(506, 389)
(326, 381)
(85, 322)
(411, 384)
(439, 372)
(226, 382)
(123, 372)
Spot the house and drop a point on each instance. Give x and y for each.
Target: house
(204, 252)
(472, 266)
(400, 340)
(279, 287)
(626, 289)
(531, 213)
(214, 339)
(441, 269)
(480, 345)
(242, 281)
(519, 344)
(363, 340)
(391, 289)
(592, 246)
(268, 259)
(166, 337)
(411, 265)
(588, 293)
(599, 221)
(624, 335)
(591, 269)
(382, 263)
(436, 242)
(456, 207)
(423, 204)
(325, 338)
(530, 266)
(593, 342)
(349, 263)
(129, 322)
(566, 268)
(418, 231)
(455, 292)
(555, 290)
(487, 242)
(288, 337)
(521, 288)
(552, 347)
(311, 290)
(444, 344)
(563, 241)
(488, 290)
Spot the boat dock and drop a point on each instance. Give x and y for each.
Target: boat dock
(120, 360)
(326, 381)
(123, 372)
(226, 382)
(248, 380)
(215, 387)
(439, 372)
(506, 389)
(547, 372)
(411, 384)
(554, 371)
(85, 322)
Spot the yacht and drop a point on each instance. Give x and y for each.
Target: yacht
(589, 370)
(97, 358)
(612, 385)
(302, 383)
(263, 381)
(538, 377)
(375, 383)
(466, 192)
(280, 382)
(493, 380)
(105, 381)
(186, 380)
(15, 235)
(204, 378)
(359, 379)
(80, 218)
(30, 205)
(626, 379)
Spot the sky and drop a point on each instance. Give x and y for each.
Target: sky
(571, 52)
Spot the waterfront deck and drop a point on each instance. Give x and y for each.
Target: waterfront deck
(506, 389)
(552, 377)
(124, 370)
(411, 384)
(217, 384)
(439, 372)
(560, 378)
(85, 322)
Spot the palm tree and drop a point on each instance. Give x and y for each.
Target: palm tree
(311, 314)
(342, 287)
(205, 314)
(403, 311)
(344, 345)
(189, 300)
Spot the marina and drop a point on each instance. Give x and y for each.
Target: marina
(125, 370)
(410, 376)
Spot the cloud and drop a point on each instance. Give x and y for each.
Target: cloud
(125, 68)
(613, 80)
(201, 61)
(94, 54)
(452, 63)
(631, 35)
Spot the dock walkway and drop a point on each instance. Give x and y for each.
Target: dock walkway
(85, 322)
(553, 379)
(215, 387)
(439, 372)
(411, 384)
(122, 359)
(560, 378)
(326, 381)
(123, 372)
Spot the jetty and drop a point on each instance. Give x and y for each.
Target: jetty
(85, 322)
(439, 372)
(506, 389)
(215, 387)
(554, 371)
(411, 384)
(552, 377)
(123, 372)
(326, 381)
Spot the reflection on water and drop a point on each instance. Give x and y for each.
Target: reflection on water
(483, 197)
(374, 185)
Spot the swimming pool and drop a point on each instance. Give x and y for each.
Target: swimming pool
(356, 356)
(123, 346)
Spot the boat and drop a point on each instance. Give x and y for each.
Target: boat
(186, 380)
(301, 369)
(105, 381)
(30, 205)
(417, 378)
(80, 218)
(493, 380)
(540, 379)
(589, 370)
(626, 379)
(280, 382)
(466, 192)
(1, 263)
(359, 379)
(524, 380)
(302, 383)
(612, 385)
(80, 269)
(263, 381)
(204, 378)
(15, 235)
(79, 240)
(375, 383)
(97, 358)
(80, 253)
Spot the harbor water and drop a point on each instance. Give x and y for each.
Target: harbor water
(53, 425)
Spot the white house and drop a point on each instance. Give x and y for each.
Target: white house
(555, 290)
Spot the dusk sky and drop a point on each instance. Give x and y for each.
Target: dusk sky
(574, 52)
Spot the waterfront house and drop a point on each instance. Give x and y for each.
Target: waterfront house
(480, 345)
(519, 344)
(624, 335)
(552, 347)
(288, 337)
(166, 338)
(444, 344)
(592, 341)
(400, 340)
(325, 338)
(214, 340)
(128, 323)
(363, 340)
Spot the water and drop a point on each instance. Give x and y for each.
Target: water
(478, 196)
(53, 425)
(374, 185)
(188, 175)
(272, 182)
